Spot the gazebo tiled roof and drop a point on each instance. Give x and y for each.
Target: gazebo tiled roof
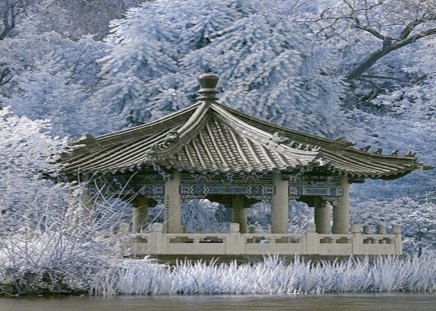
(210, 137)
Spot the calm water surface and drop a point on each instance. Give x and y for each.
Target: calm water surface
(385, 302)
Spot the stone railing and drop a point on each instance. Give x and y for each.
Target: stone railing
(234, 243)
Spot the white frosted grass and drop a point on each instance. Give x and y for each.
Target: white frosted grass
(272, 276)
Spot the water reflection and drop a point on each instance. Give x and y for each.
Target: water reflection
(385, 302)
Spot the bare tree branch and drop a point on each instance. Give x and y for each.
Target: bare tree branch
(5, 76)
(365, 16)
(413, 24)
(416, 37)
(389, 78)
(10, 10)
(372, 31)
(388, 46)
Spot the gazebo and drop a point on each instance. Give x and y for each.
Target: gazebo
(209, 150)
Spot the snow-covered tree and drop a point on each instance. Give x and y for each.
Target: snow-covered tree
(418, 221)
(261, 55)
(385, 51)
(26, 152)
(369, 30)
(46, 243)
(83, 16)
(49, 76)
(47, 91)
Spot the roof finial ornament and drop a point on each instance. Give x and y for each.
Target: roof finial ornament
(208, 83)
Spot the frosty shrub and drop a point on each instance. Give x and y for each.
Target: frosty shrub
(203, 216)
(272, 276)
(26, 156)
(59, 249)
(49, 242)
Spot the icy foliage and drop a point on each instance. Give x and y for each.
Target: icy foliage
(48, 241)
(259, 217)
(202, 216)
(58, 248)
(418, 221)
(405, 121)
(261, 55)
(272, 276)
(51, 77)
(53, 261)
(386, 51)
(197, 216)
(25, 153)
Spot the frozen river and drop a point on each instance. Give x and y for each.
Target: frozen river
(373, 302)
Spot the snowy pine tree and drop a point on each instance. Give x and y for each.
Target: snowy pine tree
(261, 55)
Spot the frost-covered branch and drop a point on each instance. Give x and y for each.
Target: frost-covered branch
(393, 25)
(10, 10)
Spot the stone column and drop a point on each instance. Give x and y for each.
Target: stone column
(322, 216)
(279, 205)
(239, 212)
(341, 208)
(173, 204)
(140, 214)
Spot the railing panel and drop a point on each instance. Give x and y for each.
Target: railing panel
(258, 244)
(196, 244)
(275, 248)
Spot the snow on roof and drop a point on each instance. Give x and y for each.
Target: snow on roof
(211, 137)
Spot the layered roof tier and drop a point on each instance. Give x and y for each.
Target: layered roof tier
(213, 138)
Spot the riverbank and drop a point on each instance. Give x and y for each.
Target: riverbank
(270, 276)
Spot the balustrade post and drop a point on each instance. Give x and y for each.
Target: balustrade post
(312, 245)
(157, 242)
(396, 230)
(357, 242)
(235, 244)
(381, 229)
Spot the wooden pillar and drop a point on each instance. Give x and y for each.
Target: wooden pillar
(279, 205)
(341, 217)
(173, 204)
(239, 212)
(140, 214)
(322, 216)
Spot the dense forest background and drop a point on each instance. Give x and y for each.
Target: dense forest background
(362, 69)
